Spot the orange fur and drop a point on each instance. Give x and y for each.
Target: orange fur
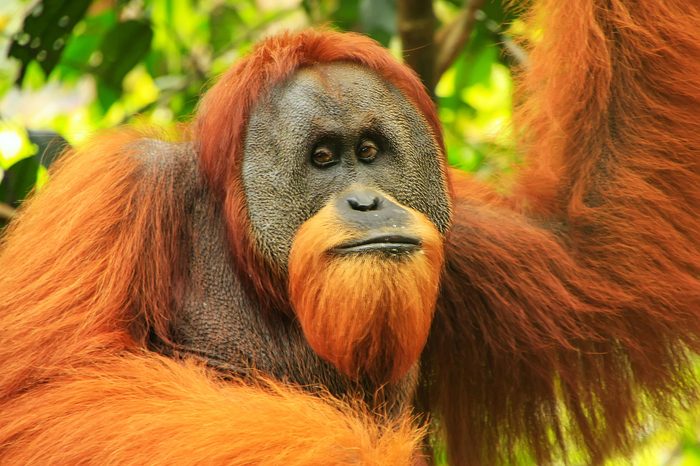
(365, 314)
(571, 305)
(145, 409)
(92, 266)
(564, 308)
(224, 112)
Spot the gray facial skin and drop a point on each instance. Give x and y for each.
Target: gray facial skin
(336, 108)
(217, 322)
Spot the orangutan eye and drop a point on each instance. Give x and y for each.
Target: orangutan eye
(323, 157)
(367, 151)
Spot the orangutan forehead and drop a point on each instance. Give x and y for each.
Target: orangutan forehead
(336, 88)
(339, 98)
(340, 81)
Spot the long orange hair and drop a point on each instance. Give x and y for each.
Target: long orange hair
(224, 111)
(572, 303)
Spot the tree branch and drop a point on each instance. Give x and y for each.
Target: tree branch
(417, 24)
(452, 38)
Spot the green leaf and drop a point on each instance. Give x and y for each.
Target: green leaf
(107, 94)
(44, 33)
(81, 46)
(481, 64)
(378, 19)
(499, 12)
(122, 48)
(345, 16)
(19, 180)
(465, 158)
(223, 19)
(460, 73)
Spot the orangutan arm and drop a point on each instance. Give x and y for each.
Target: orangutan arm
(582, 291)
(146, 409)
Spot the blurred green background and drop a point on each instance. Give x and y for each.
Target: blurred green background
(72, 67)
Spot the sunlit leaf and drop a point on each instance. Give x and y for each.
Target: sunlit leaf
(122, 48)
(34, 76)
(14, 144)
(42, 176)
(465, 158)
(83, 44)
(481, 64)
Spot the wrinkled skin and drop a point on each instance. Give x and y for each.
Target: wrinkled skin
(336, 108)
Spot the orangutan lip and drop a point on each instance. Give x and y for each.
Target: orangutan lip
(380, 243)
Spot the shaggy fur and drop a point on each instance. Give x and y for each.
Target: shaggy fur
(365, 314)
(572, 303)
(564, 309)
(77, 385)
(145, 409)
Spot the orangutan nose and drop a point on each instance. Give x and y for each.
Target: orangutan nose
(364, 201)
(367, 209)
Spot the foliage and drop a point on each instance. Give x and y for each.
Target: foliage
(75, 67)
(71, 68)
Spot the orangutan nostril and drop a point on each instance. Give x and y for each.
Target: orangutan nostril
(364, 201)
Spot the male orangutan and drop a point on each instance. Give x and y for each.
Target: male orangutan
(264, 292)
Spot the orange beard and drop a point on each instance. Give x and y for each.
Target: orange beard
(367, 314)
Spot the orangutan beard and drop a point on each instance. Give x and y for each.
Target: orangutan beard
(369, 314)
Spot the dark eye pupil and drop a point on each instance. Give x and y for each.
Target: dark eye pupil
(368, 151)
(322, 157)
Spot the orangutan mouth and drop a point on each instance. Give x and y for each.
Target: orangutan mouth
(385, 243)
